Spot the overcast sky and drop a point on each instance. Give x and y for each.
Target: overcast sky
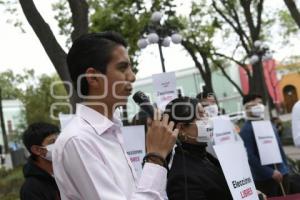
(23, 50)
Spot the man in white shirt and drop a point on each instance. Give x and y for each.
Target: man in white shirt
(296, 123)
(90, 162)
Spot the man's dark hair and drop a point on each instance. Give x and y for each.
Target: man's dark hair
(37, 132)
(250, 97)
(92, 50)
(182, 109)
(204, 94)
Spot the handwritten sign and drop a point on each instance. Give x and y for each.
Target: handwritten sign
(223, 130)
(266, 141)
(165, 88)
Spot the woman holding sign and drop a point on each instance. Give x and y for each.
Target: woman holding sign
(194, 174)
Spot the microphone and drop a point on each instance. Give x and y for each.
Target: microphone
(143, 101)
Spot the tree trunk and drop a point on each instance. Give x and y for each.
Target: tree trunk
(258, 81)
(54, 51)
(291, 5)
(5, 140)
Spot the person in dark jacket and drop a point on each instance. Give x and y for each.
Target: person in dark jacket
(39, 182)
(194, 174)
(267, 178)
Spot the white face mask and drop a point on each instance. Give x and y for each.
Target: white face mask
(205, 130)
(258, 111)
(49, 148)
(212, 110)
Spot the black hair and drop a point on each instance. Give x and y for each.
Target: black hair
(36, 133)
(250, 97)
(204, 94)
(92, 50)
(182, 109)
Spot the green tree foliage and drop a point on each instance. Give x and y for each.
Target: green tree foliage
(289, 27)
(35, 94)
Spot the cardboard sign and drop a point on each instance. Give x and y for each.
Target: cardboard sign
(134, 141)
(223, 130)
(234, 163)
(266, 141)
(164, 88)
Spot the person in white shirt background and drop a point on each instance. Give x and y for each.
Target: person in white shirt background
(89, 159)
(296, 124)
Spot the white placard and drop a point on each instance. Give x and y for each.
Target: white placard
(65, 119)
(134, 141)
(234, 163)
(266, 141)
(223, 130)
(164, 88)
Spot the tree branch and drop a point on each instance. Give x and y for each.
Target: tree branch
(80, 10)
(228, 77)
(259, 19)
(239, 26)
(291, 5)
(189, 49)
(236, 29)
(246, 4)
(42, 30)
(54, 51)
(243, 65)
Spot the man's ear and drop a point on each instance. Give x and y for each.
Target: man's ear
(37, 150)
(92, 76)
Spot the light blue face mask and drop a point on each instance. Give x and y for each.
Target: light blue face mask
(212, 110)
(258, 111)
(49, 149)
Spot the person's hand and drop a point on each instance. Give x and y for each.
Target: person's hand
(277, 176)
(161, 137)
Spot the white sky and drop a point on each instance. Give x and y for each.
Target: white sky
(23, 50)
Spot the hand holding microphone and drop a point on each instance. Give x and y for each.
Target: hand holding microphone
(161, 135)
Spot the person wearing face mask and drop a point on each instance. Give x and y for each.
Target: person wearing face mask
(209, 103)
(194, 173)
(267, 178)
(39, 182)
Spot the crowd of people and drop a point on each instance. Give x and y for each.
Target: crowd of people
(88, 160)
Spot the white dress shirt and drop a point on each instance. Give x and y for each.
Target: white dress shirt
(90, 162)
(296, 123)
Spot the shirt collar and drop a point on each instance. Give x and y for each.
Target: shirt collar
(95, 119)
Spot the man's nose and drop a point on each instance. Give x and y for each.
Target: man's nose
(131, 76)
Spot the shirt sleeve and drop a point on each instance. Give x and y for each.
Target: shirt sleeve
(88, 173)
(296, 124)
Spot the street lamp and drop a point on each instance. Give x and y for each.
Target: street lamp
(260, 53)
(157, 33)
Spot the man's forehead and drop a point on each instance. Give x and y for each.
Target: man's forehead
(120, 54)
(51, 137)
(254, 102)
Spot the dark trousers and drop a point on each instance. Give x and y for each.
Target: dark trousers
(271, 188)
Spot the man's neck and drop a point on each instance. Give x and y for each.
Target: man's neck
(249, 118)
(45, 165)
